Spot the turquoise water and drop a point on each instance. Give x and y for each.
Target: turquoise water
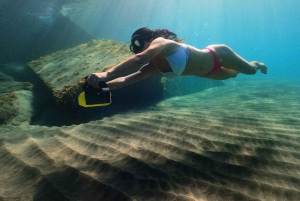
(239, 141)
(262, 30)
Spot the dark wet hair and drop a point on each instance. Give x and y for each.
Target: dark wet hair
(152, 34)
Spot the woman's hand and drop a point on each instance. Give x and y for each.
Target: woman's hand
(95, 78)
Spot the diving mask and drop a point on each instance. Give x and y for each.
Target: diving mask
(137, 44)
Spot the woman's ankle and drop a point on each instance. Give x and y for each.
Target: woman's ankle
(254, 65)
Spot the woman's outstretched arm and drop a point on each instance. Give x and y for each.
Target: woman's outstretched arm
(137, 76)
(131, 63)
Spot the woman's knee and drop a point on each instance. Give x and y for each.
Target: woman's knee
(222, 50)
(225, 50)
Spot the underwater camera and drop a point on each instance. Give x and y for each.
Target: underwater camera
(90, 97)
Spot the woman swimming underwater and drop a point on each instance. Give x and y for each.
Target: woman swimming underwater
(160, 52)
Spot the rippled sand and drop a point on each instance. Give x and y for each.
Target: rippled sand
(238, 142)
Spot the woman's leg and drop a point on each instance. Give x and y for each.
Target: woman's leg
(223, 74)
(231, 60)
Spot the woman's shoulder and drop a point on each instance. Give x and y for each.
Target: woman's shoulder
(165, 41)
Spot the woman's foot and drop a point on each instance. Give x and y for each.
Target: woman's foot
(260, 66)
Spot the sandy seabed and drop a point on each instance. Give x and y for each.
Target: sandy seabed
(237, 142)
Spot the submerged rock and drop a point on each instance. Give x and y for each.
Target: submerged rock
(64, 71)
(15, 101)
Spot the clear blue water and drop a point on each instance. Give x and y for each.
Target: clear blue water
(235, 142)
(263, 30)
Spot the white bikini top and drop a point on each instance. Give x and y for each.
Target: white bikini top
(177, 62)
